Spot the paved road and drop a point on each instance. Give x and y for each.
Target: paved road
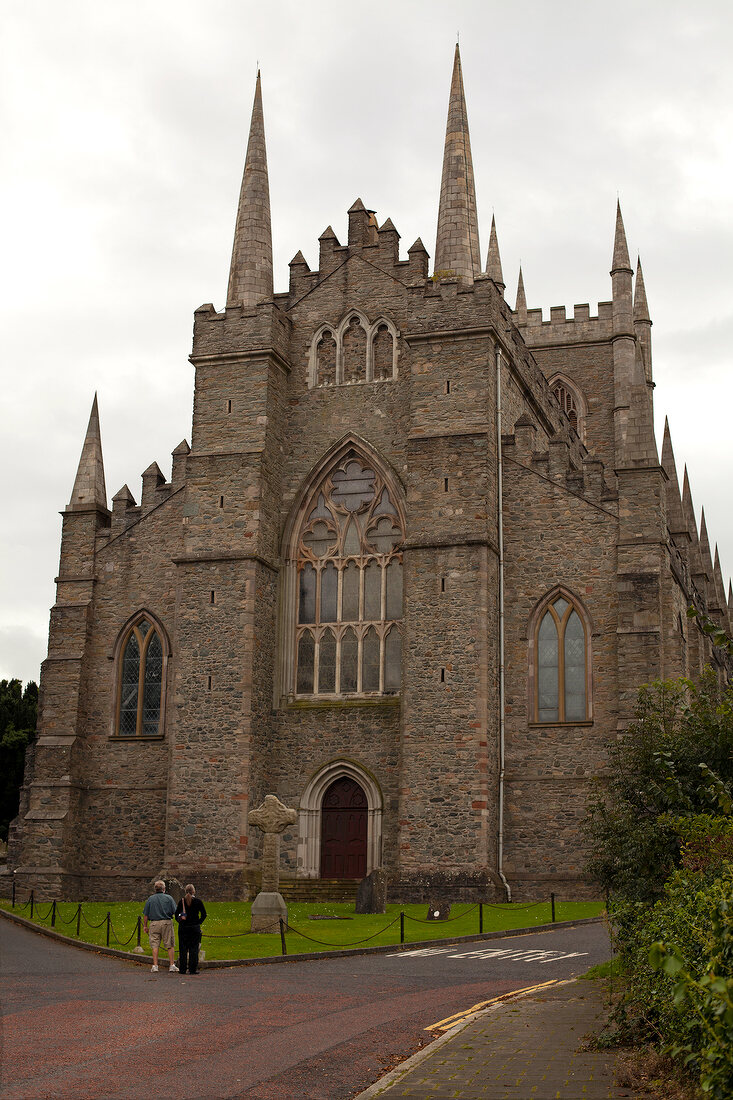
(79, 1025)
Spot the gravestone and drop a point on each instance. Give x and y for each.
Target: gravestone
(269, 905)
(172, 886)
(438, 912)
(371, 896)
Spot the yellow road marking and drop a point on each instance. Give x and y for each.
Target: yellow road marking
(451, 1021)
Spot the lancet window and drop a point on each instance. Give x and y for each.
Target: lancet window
(348, 638)
(561, 661)
(141, 665)
(353, 351)
(571, 403)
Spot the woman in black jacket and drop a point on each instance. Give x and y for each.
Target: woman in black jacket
(190, 914)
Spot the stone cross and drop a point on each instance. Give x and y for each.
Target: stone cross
(273, 818)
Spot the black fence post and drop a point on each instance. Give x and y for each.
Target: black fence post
(13, 891)
(552, 903)
(481, 917)
(108, 922)
(402, 927)
(282, 936)
(53, 914)
(139, 922)
(32, 899)
(78, 921)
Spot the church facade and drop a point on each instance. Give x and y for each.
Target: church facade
(407, 576)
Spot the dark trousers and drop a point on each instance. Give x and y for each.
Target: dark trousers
(189, 940)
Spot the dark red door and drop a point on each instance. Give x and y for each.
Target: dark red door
(343, 830)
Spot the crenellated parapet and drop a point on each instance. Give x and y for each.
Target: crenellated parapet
(559, 329)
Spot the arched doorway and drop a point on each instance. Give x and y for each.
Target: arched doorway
(344, 830)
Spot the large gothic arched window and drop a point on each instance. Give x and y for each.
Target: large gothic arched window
(141, 664)
(560, 665)
(348, 637)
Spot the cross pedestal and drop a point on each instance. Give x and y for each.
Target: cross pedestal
(269, 905)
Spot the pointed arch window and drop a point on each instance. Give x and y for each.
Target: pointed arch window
(571, 402)
(348, 562)
(560, 662)
(140, 680)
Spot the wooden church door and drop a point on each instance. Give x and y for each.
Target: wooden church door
(344, 830)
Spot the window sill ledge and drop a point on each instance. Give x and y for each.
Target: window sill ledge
(561, 725)
(136, 737)
(318, 703)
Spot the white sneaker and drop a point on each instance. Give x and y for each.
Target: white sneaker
(154, 969)
(172, 969)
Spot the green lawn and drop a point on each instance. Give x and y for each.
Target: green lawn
(226, 931)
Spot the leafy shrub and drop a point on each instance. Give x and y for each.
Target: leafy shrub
(704, 1001)
(675, 759)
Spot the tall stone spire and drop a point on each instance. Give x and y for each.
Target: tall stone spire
(643, 323)
(89, 490)
(624, 337)
(521, 305)
(250, 274)
(675, 518)
(457, 246)
(493, 260)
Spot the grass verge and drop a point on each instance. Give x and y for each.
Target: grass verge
(226, 931)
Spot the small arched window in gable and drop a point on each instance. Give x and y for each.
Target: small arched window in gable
(354, 351)
(326, 359)
(561, 663)
(140, 681)
(383, 354)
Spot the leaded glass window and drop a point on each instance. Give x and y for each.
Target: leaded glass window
(561, 667)
(349, 599)
(140, 689)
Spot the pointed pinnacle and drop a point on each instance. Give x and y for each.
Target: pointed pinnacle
(250, 274)
(641, 308)
(493, 260)
(688, 507)
(730, 596)
(89, 489)
(457, 246)
(521, 306)
(668, 455)
(621, 260)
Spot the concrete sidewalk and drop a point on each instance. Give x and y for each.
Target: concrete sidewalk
(533, 1047)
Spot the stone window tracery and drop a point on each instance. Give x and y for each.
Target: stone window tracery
(349, 585)
(571, 402)
(353, 351)
(141, 673)
(560, 664)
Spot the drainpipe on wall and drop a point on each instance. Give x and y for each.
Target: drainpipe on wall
(500, 849)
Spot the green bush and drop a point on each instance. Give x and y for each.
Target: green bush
(675, 759)
(677, 957)
(705, 1001)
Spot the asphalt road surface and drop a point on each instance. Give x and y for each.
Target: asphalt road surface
(77, 1024)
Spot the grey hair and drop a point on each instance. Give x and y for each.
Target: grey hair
(160, 886)
(191, 889)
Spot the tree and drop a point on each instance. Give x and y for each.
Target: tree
(675, 759)
(18, 709)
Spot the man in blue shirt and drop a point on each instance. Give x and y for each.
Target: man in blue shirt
(159, 910)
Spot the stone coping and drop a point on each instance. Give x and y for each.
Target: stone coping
(382, 949)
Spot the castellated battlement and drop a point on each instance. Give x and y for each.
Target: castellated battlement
(581, 328)
(241, 333)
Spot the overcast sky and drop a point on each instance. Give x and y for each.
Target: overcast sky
(124, 131)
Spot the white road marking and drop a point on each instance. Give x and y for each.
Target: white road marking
(508, 955)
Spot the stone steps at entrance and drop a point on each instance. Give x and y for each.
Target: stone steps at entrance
(318, 889)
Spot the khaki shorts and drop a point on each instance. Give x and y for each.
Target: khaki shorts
(161, 930)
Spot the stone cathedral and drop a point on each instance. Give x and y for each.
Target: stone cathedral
(407, 576)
